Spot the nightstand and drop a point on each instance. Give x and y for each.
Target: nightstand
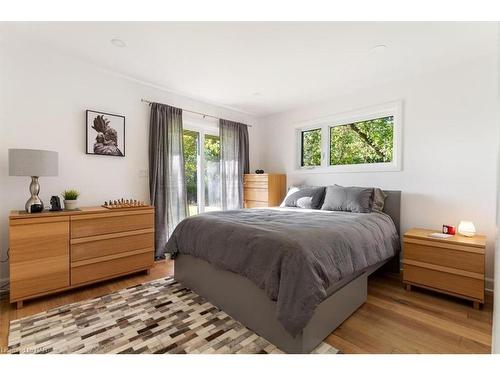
(454, 265)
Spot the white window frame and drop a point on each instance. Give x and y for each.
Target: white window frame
(393, 109)
(202, 130)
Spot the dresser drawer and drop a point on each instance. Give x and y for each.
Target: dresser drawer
(255, 178)
(99, 224)
(448, 257)
(444, 281)
(255, 184)
(85, 271)
(255, 204)
(39, 256)
(256, 195)
(98, 246)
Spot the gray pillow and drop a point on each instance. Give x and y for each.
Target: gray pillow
(378, 200)
(304, 197)
(352, 199)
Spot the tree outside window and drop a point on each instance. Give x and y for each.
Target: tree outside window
(311, 148)
(362, 142)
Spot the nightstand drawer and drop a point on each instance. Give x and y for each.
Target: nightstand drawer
(443, 281)
(448, 257)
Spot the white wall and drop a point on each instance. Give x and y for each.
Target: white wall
(450, 142)
(43, 98)
(496, 298)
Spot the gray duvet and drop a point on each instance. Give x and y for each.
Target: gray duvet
(292, 254)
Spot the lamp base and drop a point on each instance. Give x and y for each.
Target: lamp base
(467, 234)
(34, 204)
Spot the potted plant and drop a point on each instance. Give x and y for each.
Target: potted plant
(70, 199)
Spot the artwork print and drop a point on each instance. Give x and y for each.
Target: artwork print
(105, 134)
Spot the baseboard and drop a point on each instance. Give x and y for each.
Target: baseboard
(488, 284)
(4, 285)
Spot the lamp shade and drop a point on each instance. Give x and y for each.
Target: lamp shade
(26, 162)
(466, 228)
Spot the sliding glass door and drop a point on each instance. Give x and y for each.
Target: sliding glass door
(211, 171)
(202, 171)
(191, 168)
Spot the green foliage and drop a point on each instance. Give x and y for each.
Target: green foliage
(70, 194)
(311, 148)
(191, 142)
(362, 142)
(212, 171)
(211, 149)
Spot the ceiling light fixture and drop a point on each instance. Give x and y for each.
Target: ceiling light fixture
(118, 43)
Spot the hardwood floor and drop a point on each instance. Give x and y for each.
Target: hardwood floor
(394, 320)
(391, 321)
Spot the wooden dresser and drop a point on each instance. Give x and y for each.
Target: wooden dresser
(454, 265)
(55, 251)
(263, 190)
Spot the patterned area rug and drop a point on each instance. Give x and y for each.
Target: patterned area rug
(160, 316)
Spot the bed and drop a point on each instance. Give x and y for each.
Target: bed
(290, 275)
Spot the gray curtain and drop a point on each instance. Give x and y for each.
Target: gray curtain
(234, 162)
(166, 172)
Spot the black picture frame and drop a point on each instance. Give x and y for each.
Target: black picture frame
(115, 122)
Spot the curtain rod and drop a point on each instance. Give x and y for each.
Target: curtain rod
(187, 110)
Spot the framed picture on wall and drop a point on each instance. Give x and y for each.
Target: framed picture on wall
(105, 134)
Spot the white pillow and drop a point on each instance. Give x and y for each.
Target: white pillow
(304, 197)
(293, 189)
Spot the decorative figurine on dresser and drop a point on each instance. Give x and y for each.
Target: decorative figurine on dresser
(55, 203)
(124, 203)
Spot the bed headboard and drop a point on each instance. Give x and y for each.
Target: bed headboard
(392, 206)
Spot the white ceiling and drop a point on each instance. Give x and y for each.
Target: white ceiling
(264, 68)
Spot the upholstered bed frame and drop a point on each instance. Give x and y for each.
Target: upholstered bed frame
(245, 302)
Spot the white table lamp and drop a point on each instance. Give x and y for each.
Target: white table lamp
(466, 228)
(33, 163)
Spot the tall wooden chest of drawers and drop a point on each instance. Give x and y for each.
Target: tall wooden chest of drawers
(263, 190)
(454, 265)
(56, 251)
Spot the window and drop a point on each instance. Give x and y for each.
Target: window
(367, 140)
(311, 148)
(212, 173)
(362, 142)
(191, 168)
(202, 171)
